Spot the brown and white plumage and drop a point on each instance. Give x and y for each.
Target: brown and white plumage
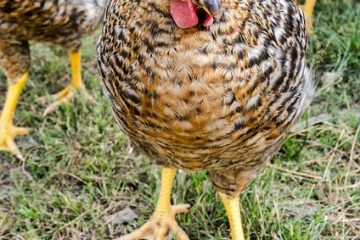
(220, 98)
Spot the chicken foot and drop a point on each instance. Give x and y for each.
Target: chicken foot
(163, 219)
(8, 131)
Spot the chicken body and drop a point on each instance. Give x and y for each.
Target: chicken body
(62, 22)
(218, 98)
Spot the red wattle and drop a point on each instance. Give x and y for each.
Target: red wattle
(184, 13)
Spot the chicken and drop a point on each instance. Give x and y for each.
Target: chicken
(204, 84)
(62, 22)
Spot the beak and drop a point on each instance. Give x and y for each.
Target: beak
(212, 7)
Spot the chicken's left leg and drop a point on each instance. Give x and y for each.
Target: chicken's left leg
(232, 206)
(163, 219)
(67, 94)
(7, 130)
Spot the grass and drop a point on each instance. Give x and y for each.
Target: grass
(77, 170)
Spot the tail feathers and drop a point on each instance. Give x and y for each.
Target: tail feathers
(94, 10)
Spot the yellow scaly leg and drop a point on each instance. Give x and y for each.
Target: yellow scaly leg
(308, 8)
(232, 206)
(7, 130)
(67, 94)
(163, 219)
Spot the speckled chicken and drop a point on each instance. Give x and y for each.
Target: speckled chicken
(62, 22)
(204, 84)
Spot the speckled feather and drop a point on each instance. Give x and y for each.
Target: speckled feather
(62, 22)
(219, 99)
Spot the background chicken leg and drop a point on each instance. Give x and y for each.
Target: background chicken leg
(68, 93)
(308, 8)
(7, 130)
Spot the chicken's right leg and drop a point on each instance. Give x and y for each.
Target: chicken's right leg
(15, 60)
(7, 130)
(163, 220)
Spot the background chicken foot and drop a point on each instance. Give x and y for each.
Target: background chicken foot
(7, 131)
